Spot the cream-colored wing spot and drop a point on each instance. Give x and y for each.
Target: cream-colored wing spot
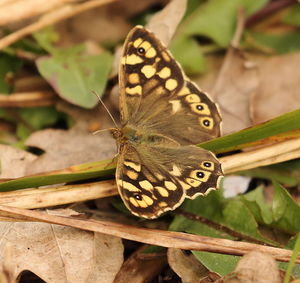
(132, 174)
(200, 175)
(184, 91)
(128, 186)
(145, 44)
(176, 105)
(208, 165)
(151, 53)
(184, 185)
(162, 191)
(162, 204)
(164, 73)
(134, 78)
(170, 185)
(137, 90)
(171, 84)
(166, 56)
(192, 182)
(135, 166)
(148, 71)
(133, 201)
(175, 170)
(137, 42)
(132, 59)
(192, 98)
(146, 185)
(200, 108)
(207, 122)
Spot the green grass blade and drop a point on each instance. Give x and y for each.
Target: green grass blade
(282, 124)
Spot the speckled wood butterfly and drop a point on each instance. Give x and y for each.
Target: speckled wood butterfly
(162, 114)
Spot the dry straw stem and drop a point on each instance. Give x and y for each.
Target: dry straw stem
(156, 237)
(17, 10)
(46, 197)
(58, 195)
(275, 153)
(50, 18)
(28, 99)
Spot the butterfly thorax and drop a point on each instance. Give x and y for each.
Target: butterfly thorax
(133, 136)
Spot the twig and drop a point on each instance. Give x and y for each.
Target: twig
(28, 99)
(65, 12)
(275, 153)
(150, 236)
(58, 195)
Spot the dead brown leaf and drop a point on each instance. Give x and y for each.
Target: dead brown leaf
(165, 22)
(237, 81)
(14, 161)
(187, 267)
(141, 267)
(61, 254)
(65, 148)
(255, 267)
(278, 91)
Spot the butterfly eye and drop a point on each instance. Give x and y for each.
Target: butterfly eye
(141, 50)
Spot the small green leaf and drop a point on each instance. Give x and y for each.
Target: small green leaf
(256, 203)
(286, 42)
(286, 212)
(213, 19)
(222, 264)
(75, 77)
(293, 16)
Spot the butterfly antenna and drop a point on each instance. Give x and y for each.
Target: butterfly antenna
(110, 115)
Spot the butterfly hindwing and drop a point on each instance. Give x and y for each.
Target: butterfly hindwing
(149, 187)
(146, 188)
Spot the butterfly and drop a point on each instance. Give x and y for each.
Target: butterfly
(163, 114)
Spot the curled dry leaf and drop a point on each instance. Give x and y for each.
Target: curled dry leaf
(65, 148)
(255, 267)
(237, 81)
(188, 268)
(61, 254)
(165, 22)
(278, 91)
(14, 161)
(141, 267)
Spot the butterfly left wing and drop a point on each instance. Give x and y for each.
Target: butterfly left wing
(153, 180)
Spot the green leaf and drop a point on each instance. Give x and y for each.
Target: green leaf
(231, 213)
(286, 212)
(9, 65)
(222, 264)
(46, 38)
(256, 203)
(293, 16)
(282, 124)
(192, 60)
(280, 43)
(213, 19)
(75, 77)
